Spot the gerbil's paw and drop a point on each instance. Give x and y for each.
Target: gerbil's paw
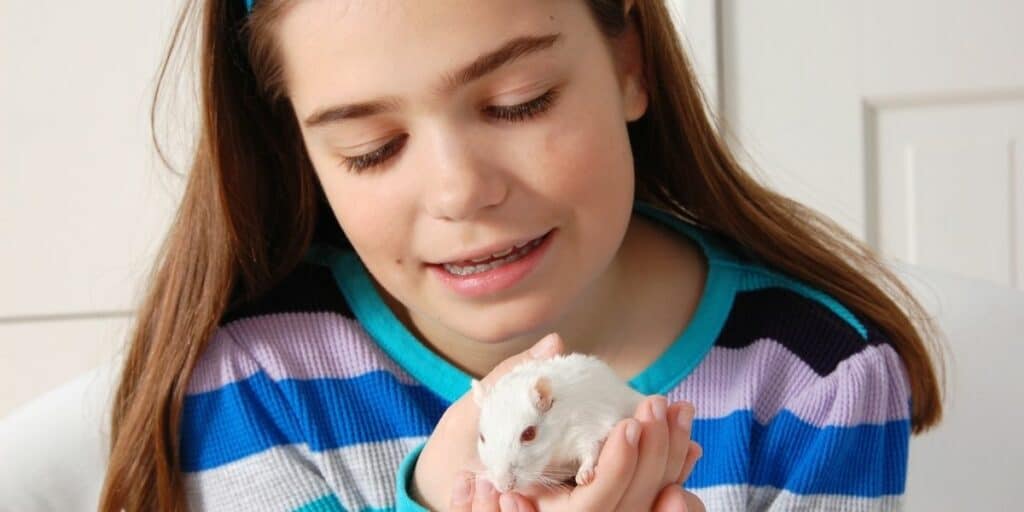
(584, 476)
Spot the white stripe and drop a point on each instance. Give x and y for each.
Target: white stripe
(281, 478)
(288, 477)
(363, 475)
(744, 498)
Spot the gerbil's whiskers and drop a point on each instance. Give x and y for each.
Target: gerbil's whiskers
(554, 479)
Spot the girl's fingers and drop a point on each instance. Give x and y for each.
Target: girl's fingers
(515, 502)
(650, 468)
(680, 421)
(692, 456)
(485, 496)
(462, 493)
(670, 499)
(693, 503)
(615, 466)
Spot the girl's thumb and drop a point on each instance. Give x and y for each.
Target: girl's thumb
(547, 346)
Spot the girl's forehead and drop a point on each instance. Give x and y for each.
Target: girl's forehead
(356, 50)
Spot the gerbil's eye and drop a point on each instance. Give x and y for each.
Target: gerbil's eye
(528, 434)
(482, 438)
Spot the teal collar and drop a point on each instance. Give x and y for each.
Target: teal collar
(449, 382)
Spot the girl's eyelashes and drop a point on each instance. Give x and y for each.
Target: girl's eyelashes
(511, 113)
(515, 113)
(375, 157)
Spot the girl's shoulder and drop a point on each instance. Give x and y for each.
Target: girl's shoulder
(812, 351)
(308, 288)
(301, 328)
(768, 303)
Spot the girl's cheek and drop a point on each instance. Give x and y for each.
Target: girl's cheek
(582, 160)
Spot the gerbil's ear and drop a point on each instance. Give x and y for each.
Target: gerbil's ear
(540, 394)
(479, 392)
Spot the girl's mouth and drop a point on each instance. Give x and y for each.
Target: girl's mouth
(495, 273)
(494, 261)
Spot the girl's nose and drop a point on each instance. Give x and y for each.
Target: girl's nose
(463, 181)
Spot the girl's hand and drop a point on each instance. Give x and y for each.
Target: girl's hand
(452, 445)
(641, 475)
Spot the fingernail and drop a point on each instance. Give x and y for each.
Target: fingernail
(685, 417)
(461, 493)
(632, 432)
(507, 503)
(483, 487)
(544, 347)
(658, 409)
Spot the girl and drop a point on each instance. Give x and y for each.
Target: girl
(389, 198)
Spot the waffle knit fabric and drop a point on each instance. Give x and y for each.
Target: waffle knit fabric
(317, 398)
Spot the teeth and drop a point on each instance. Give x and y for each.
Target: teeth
(504, 253)
(508, 256)
(501, 254)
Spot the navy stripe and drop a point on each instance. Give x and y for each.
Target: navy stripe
(807, 328)
(308, 288)
(791, 454)
(250, 416)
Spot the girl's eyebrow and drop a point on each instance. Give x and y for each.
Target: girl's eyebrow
(484, 64)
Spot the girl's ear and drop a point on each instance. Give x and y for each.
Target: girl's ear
(479, 392)
(629, 66)
(540, 394)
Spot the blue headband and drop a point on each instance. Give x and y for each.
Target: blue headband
(248, 5)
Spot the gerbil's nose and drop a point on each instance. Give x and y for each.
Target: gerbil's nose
(508, 485)
(505, 482)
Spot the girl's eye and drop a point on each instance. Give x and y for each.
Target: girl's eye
(375, 157)
(512, 113)
(515, 113)
(528, 434)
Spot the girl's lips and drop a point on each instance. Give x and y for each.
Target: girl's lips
(496, 279)
(468, 261)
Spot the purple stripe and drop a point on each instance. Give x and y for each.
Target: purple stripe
(291, 346)
(221, 363)
(766, 377)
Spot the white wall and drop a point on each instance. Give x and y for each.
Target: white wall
(83, 200)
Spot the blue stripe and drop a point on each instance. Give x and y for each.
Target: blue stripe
(328, 503)
(250, 416)
(791, 454)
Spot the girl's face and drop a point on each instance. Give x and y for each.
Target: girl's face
(455, 167)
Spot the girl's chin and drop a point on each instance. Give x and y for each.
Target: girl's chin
(488, 336)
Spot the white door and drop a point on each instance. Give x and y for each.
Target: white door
(904, 122)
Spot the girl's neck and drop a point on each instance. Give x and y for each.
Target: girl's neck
(635, 310)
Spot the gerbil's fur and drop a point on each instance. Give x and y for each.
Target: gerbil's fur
(571, 402)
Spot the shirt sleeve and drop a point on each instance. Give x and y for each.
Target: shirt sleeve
(841, 443)
(242, 447)
(404, 501)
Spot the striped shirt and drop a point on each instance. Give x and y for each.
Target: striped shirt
(317, 398)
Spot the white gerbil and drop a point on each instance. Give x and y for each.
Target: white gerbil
(546, 420)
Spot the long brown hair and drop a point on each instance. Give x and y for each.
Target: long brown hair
(252, 206)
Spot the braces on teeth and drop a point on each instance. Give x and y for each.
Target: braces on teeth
(514, 253)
